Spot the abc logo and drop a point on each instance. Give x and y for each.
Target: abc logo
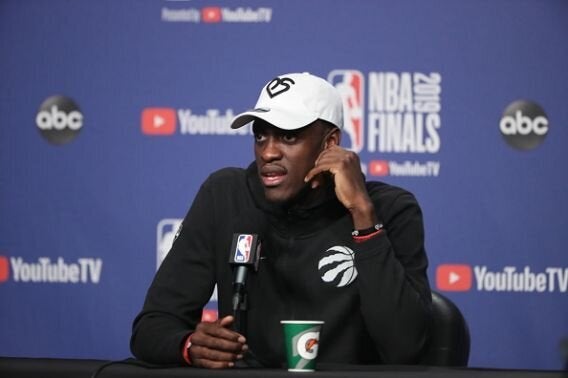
(524, 125)
(59, 119)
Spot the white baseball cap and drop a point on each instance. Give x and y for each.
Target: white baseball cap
(293, 101)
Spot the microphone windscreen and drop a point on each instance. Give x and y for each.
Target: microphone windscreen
(245, 250)
(247, 239)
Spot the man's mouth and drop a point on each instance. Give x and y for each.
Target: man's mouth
(272, 175)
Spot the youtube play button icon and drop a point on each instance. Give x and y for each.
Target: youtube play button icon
(158, 121)
(453, 277)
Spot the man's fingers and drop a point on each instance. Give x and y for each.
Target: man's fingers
(326, 162)
(311, 174)
(204, 354)
(215, 346)
(336, 161)
(315, 171)
(209, 364)
(316, 174)
(219, 329)
(218, 343)
(226, 321)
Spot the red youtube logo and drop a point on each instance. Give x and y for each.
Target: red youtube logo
(4, 269)
(450, 277)
(158, 121)
(211, 14)
(379, 168)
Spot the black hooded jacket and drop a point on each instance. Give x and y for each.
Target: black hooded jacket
(374, 296)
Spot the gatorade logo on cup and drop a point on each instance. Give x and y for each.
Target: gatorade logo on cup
(301, 339)
(307, 345)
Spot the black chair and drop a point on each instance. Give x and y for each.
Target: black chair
(449, 335)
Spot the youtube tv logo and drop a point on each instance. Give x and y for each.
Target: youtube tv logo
(4, 269)
(211, 14)
(454, 277)
(379, 168)
(158, 121)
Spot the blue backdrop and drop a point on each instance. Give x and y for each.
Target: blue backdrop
(93, 183)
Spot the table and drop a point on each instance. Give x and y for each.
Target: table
(75, 368)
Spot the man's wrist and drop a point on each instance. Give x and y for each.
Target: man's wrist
(367, 231)
(363, 216)
(185, 351)
(360, 236)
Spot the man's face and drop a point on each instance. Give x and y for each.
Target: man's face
(284, 157)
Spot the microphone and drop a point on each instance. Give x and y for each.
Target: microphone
(244, 256)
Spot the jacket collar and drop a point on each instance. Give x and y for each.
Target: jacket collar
(305, 212)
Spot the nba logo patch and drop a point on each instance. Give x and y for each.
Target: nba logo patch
(167, 232)
(243, 249)
(350, 84)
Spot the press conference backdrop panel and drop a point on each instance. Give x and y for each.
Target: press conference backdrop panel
(112, 113)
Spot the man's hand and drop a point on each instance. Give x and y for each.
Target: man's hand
(215, 346)
(345, 168)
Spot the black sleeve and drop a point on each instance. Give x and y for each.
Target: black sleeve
(181, 288)
(394, 290)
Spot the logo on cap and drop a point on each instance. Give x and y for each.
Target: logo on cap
(278, 86)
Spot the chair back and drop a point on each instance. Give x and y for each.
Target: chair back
(449, 340)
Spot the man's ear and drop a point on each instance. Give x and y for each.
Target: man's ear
(333, 138)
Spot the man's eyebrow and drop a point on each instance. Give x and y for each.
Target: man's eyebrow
(296, 131)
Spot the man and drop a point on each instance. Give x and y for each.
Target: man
(334, 248)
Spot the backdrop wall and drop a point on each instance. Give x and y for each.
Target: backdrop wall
(113, 113)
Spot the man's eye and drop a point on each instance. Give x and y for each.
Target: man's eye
(259, 137)
(289, 138)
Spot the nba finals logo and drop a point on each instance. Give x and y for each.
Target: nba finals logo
(350, 84)
(242, 252)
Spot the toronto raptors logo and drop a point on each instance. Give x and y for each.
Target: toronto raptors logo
(278, 86)
(337, 266)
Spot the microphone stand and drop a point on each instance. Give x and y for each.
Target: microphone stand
(240, 305)
(245, 252)
(240, 312)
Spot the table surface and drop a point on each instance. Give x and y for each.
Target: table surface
(75, 368)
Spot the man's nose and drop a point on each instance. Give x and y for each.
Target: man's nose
(271, 150)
